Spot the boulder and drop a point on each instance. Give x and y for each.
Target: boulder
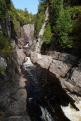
(66, 72)
(59, 68)
(42, 60)
(76, 77)
(67, 58)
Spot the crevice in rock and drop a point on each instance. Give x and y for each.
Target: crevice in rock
(48, 94)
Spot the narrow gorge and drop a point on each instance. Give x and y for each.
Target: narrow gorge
(40, 74)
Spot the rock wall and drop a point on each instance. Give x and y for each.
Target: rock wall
(61, 80)
(28, 33)
(13, 94)
(64, 67)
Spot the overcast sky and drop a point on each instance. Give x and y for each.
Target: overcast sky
(31, 5)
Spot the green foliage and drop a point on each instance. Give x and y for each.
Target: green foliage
(38, 22)
(16, 23)
(64, 28)
(5, 47)
(74, 10)
(55, 7)
(15, 19)
(24, 17)
(65, 24)
(40, 17)
(47, 34)
(2, 70)
(19, 18)
(76, 25)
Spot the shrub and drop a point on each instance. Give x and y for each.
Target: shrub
(38, 22)
(64, 28)
(2, 71)
(47, 34)
(40, 17)
(5, 47)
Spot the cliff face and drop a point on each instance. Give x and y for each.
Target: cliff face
(13, 94)
(12, 84)
(64, 67)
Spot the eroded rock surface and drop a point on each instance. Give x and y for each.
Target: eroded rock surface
(65, 70)
(63, 80)
(13, 94)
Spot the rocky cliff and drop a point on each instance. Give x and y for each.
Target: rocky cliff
(64, 73)
(13, 94)
(64, 67)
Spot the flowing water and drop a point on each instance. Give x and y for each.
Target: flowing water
(43, 104)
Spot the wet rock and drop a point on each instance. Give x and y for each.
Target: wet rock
(27, 63)
(18, 102)
(18, 118)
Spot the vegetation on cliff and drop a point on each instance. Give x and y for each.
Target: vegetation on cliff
(62, 29)
(40, 17)
(64, 26)
(11, 21)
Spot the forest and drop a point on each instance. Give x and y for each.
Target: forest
(64, 25)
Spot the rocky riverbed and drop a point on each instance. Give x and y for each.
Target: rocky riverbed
(50, 104)
(39, 87)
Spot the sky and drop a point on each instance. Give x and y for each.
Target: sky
(31, 5)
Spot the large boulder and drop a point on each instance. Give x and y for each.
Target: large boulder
(67, 58)
(42, 60)
(76, 77)
(65, 71)
(59, 68)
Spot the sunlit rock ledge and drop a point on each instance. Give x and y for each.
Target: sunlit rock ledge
(69, 77)
(64, 71)
(71, 113)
